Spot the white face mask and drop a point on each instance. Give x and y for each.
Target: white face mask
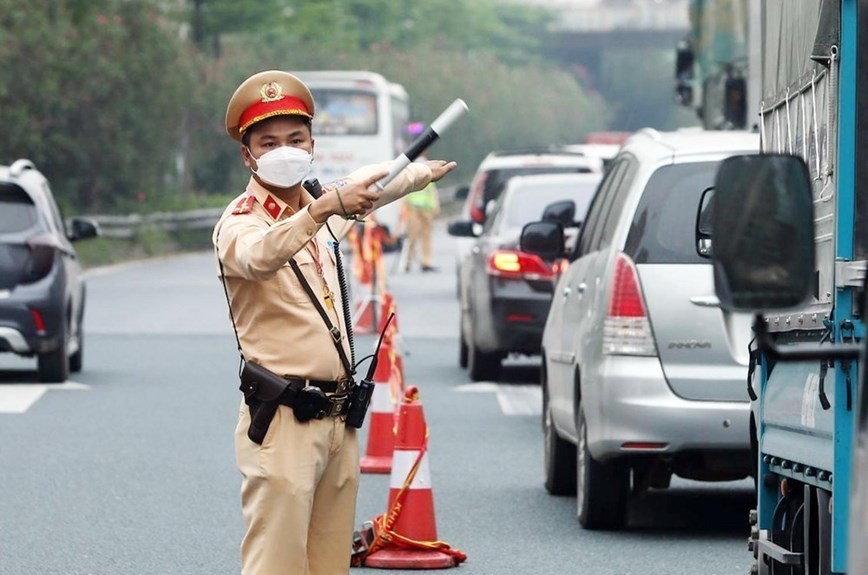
(283, 167)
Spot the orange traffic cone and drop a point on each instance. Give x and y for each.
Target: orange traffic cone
(381, 433)
(387, 308)
(406, 537)
(363, 321)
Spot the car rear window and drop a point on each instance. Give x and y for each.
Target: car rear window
(17, 212)
(527, 204)
(663, 228)
(496, 179)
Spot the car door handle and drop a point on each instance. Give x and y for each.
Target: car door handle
(705, 301)
(567, 291)
(580, 289)
(475, 250)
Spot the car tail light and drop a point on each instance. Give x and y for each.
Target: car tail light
(38, 321)
(514, 264)
(41, 258)
(626, 329)
(477, 207)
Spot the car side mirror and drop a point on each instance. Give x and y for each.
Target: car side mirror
(763, 221)
(563, 211)
(461, 192)
(545, 239)
(82, 229)
(703, 224)
(462, 229)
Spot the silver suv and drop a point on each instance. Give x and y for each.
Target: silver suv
(643, 375)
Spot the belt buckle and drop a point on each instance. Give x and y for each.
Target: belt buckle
(343, 386)
(339, 405)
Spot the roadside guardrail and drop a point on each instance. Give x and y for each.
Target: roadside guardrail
(129, 226)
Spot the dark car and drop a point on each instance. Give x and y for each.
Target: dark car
(505, 293)
(498, 167)
(41, 289)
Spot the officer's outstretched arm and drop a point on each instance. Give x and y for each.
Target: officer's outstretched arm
(412, 178)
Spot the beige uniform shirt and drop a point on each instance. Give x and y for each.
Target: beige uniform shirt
(278, 325)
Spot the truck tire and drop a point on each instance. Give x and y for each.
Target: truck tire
(559, 455)
(601, 487)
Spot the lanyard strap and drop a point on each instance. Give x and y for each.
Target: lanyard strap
(335, 332)
(229, 305)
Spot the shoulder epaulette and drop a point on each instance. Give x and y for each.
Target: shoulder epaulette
(243, 206)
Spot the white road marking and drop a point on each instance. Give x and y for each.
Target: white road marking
(520, 399)
(481, 387)
(19, 397)
(513, 399)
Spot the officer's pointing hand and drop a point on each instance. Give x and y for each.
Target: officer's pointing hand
(440, 168)
(356, 197)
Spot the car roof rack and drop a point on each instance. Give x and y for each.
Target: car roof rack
(18, 166)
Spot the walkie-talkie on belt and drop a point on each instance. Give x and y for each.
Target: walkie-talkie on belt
(363, 390)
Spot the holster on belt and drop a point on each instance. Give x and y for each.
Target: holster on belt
(262, 391)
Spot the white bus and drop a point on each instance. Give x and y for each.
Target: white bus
(361, 118)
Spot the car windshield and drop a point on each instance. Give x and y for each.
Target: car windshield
(663, 228)
(528, 203)
(17, 212)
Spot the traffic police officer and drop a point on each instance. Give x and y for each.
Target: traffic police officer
(299, 486)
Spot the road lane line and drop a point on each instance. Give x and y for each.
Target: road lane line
(519, 399)
(512, 399)
(19, 397)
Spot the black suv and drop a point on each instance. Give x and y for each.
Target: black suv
(41, 290)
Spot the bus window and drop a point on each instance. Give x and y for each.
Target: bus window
(345, 113)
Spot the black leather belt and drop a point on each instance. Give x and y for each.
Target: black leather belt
(325, 386)
(335, 404)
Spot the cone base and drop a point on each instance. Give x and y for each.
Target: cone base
(372, 464)
(409, 559)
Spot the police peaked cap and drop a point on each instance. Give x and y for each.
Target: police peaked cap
(265, 95)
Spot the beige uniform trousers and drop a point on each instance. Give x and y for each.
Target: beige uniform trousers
(419, 227)
(298, 495)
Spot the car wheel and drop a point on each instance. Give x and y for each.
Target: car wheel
(76, 360)
(481, 365)
(53, 367)
(559, 455)
(601, 487)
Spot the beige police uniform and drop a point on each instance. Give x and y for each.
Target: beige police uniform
(299, 487)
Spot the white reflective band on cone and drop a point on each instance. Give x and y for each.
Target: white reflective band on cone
(402, 462)
(381, 402)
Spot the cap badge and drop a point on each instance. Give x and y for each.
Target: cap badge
(271, 92)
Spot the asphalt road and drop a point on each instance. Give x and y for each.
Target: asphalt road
(129, 468)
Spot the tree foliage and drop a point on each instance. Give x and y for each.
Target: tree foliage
(121, 102)
(90, 92)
